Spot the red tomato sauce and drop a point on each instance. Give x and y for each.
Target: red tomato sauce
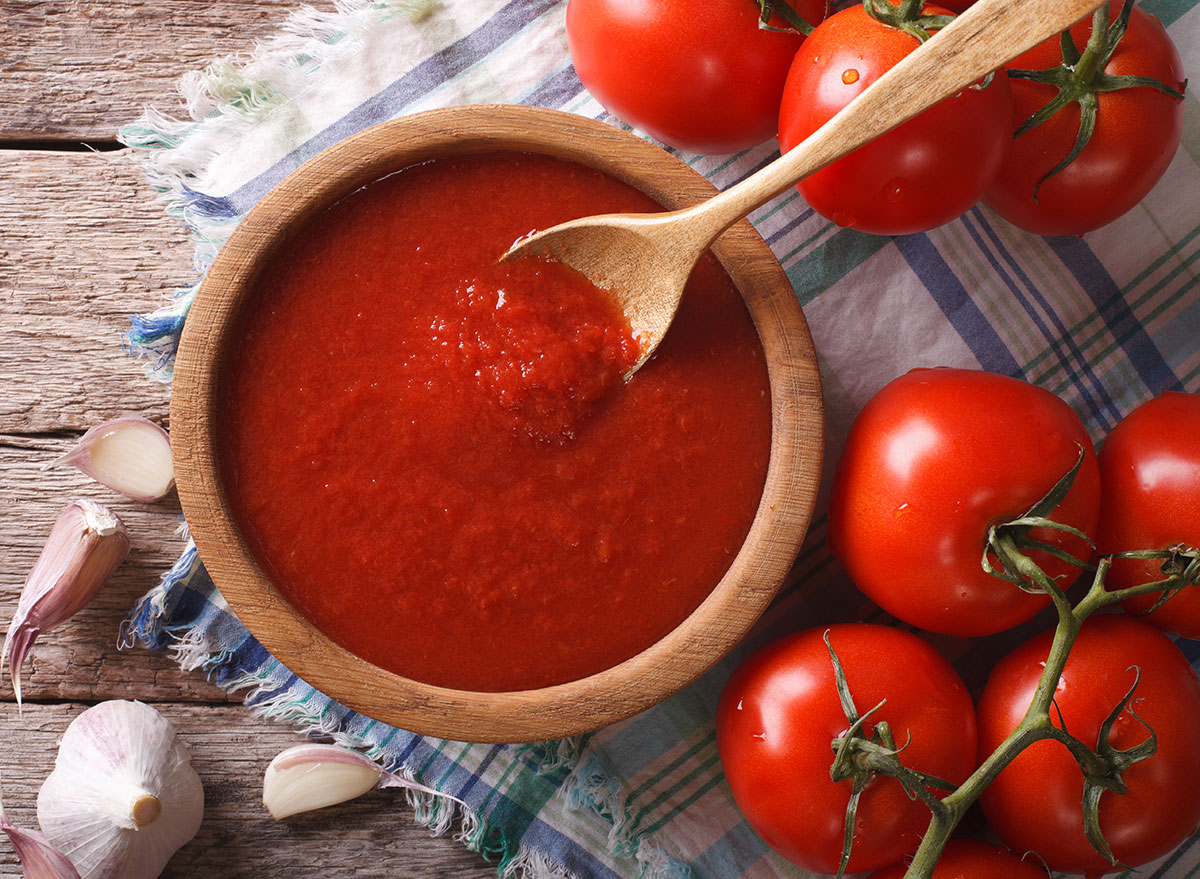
(435, 458)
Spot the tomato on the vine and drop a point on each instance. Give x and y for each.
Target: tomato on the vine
(780, 712)
(704, 78)
(932, 461)
(1150, 479)
(973, 859)
(924, 173)
(1035, 803)
(1137, 130)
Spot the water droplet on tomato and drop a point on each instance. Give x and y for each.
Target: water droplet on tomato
(1052, 442)
(850, 76)
(895, 190)
(900, 510)
(844, 220)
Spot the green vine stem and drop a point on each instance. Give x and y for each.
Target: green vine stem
(865, 751)
(1036, 724)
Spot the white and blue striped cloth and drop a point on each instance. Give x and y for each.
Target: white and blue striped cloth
(1106, 321)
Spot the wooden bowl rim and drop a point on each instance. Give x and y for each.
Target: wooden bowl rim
(758, 569)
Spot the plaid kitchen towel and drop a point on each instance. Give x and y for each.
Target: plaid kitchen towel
(1107, 321)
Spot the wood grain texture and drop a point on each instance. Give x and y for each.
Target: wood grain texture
(373, 836)
(83, 244)
(79, 69)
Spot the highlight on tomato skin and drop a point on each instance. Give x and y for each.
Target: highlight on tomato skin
(1035, 803)
(973, 859)
(779, 713)
(931, 462)
(1150, 480)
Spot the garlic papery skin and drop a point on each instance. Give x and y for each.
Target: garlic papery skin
(123, 796)
(130, 454)
(313, 776)
(85, 546)
(39, 859)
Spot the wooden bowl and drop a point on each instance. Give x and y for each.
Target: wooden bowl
(758, 570)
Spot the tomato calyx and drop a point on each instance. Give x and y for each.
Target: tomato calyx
(1113, 761)
(1008, 542)
(794, 21)
(908, 16)
(1080, 79)
(865, 751)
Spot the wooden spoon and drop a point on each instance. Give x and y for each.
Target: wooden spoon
(645, 259)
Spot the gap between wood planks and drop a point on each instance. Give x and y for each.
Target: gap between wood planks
(63, 146)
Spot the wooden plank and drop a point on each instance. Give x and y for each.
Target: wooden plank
(79, 69)
(373, 836)
(84, 243)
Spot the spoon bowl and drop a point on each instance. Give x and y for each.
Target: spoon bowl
(644, 260)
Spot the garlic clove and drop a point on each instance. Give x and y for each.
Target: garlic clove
(39, 859)
(313, 776)
(85, 546)
(309, 777)
(123, 796)
(130, 454)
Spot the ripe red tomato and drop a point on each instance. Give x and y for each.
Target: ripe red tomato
(922, 174)
(779, 713)
(930, 463)
(1035, 803)
(1136, 135)
(1150, 479)
(705, 79)
(972, 859)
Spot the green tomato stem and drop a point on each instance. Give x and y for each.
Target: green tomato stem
(1036, 725)
(1097, 51)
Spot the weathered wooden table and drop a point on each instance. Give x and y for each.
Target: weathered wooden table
(83, 244)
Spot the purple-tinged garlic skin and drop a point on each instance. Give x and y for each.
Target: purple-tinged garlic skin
(130, 454)
(86, 545)
(39, 859)
(313, 776)
(123, 796)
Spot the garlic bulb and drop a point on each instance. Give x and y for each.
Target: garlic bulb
(39, 859)
(85, 546)
(307, 777)
(123, 796)
(130, 454)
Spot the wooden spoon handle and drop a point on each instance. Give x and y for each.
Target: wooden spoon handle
(986, 36)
